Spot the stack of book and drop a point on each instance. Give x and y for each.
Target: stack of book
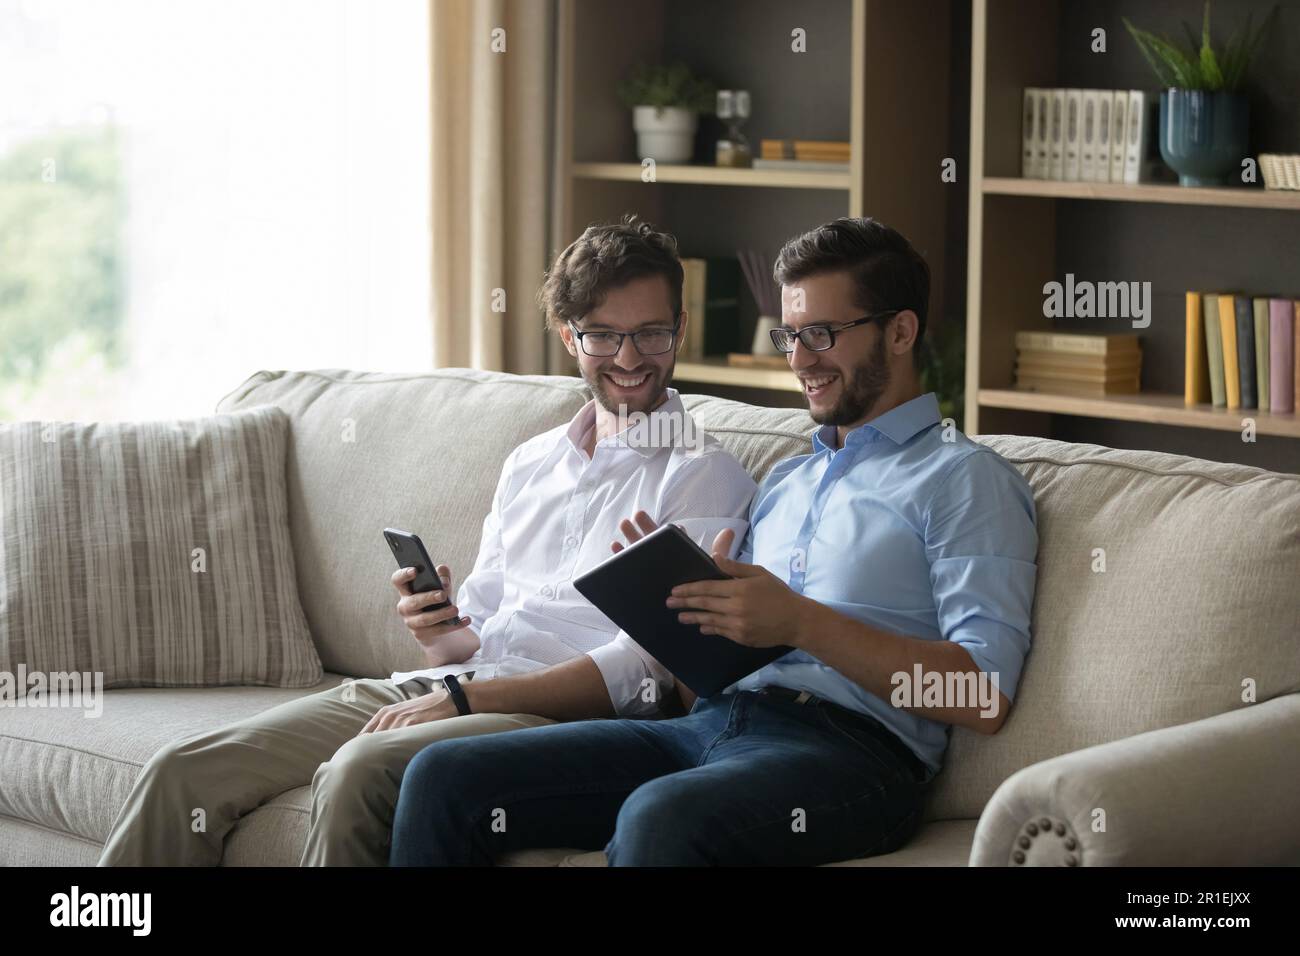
(803, 154)
(1068, 364)
(1100, 136)
(1241, 351)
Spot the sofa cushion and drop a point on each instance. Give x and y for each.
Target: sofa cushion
(1199, 601)
(150, 554)
(372, 450)
(938, 843)
(72, 773)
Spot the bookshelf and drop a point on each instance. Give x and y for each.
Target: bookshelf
(845, 87)
(1025, 232)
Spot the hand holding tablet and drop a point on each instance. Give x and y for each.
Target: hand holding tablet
(632, 589)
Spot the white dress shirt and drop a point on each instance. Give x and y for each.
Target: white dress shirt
(553, 517)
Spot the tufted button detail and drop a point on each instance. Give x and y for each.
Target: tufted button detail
(1032, 829)
(1070, 843)
(1018, 857)
(1060, 829)
(1045, 823)
(1071, 860)
(1024, 842)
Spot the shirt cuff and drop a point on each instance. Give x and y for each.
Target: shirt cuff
(636, 682)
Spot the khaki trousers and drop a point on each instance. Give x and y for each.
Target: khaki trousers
(192, 793)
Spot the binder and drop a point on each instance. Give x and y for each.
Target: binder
(1118, 134)
(1073, 134)
(1135, 143)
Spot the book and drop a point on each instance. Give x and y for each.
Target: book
(1118, 134)
(1261, 353)
(1245, 350)
(1102, 160)
(1054, 386)
(693, 303)
(1214, 349)
(1123, 359)
(1056, 142)
(1088, 137)
(1135, 143)
(1072, 342)
(1043, 134)
(1028, 135)
(1196, 375)
(1075, 374)
(1073, 133)
(1231, 368)
(1281, 356)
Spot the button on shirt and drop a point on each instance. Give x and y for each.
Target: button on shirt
(908, 533)
(553, 517)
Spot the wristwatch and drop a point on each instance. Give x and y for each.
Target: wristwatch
(457, 694)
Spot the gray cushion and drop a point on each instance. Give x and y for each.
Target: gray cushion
(72, 773)
(151, 553)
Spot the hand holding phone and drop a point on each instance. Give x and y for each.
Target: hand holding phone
(425, 606)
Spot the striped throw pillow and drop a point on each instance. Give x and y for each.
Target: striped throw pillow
(154, 553)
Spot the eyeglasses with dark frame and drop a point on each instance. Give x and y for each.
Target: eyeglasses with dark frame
(604, 344)
(819, 338)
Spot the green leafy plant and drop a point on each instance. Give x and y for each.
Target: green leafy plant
(943, 368)
(1199, 67)
(664, 86)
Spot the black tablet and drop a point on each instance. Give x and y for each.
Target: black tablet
(631, 588)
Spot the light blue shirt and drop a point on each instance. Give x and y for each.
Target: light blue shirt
(907, 533)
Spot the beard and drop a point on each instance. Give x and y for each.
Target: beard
(861, 390)
(653, 390)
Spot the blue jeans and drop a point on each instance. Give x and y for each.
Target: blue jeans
(744, 778)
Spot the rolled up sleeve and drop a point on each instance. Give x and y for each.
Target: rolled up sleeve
(982, 542)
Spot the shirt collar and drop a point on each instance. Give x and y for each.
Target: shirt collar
(899, 424)
(666, 420)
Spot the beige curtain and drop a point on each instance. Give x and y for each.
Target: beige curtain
(491, 166)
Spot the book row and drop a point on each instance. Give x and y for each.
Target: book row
(1101, 136)
(1241, 351)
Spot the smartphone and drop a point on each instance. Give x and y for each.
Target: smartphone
(409, 551)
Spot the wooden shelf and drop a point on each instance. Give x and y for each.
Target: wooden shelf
(715, 175)
(719, 372)
(1152, 408)
(1144, 192)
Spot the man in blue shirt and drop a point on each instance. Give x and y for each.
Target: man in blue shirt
(897, 560)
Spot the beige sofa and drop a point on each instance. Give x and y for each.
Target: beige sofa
(1168, 591)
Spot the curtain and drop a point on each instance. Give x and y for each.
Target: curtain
(492, 64)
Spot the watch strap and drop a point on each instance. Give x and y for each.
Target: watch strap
(457, 694)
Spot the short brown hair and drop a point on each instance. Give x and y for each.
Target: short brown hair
(607, 256)
(887, 272)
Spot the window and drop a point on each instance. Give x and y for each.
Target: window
(193, 190)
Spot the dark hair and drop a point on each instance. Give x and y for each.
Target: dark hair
(887, 272)
(604, 257)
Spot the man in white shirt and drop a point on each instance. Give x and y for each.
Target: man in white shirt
(519, 647)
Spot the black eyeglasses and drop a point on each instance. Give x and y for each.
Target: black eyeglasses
(605, 344)
(819, 338)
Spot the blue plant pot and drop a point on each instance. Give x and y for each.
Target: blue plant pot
(1204, 136)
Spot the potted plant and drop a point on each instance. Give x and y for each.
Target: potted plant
(666, 102)
(1204, 116)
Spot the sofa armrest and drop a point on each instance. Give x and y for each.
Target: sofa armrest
(1215, 792)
